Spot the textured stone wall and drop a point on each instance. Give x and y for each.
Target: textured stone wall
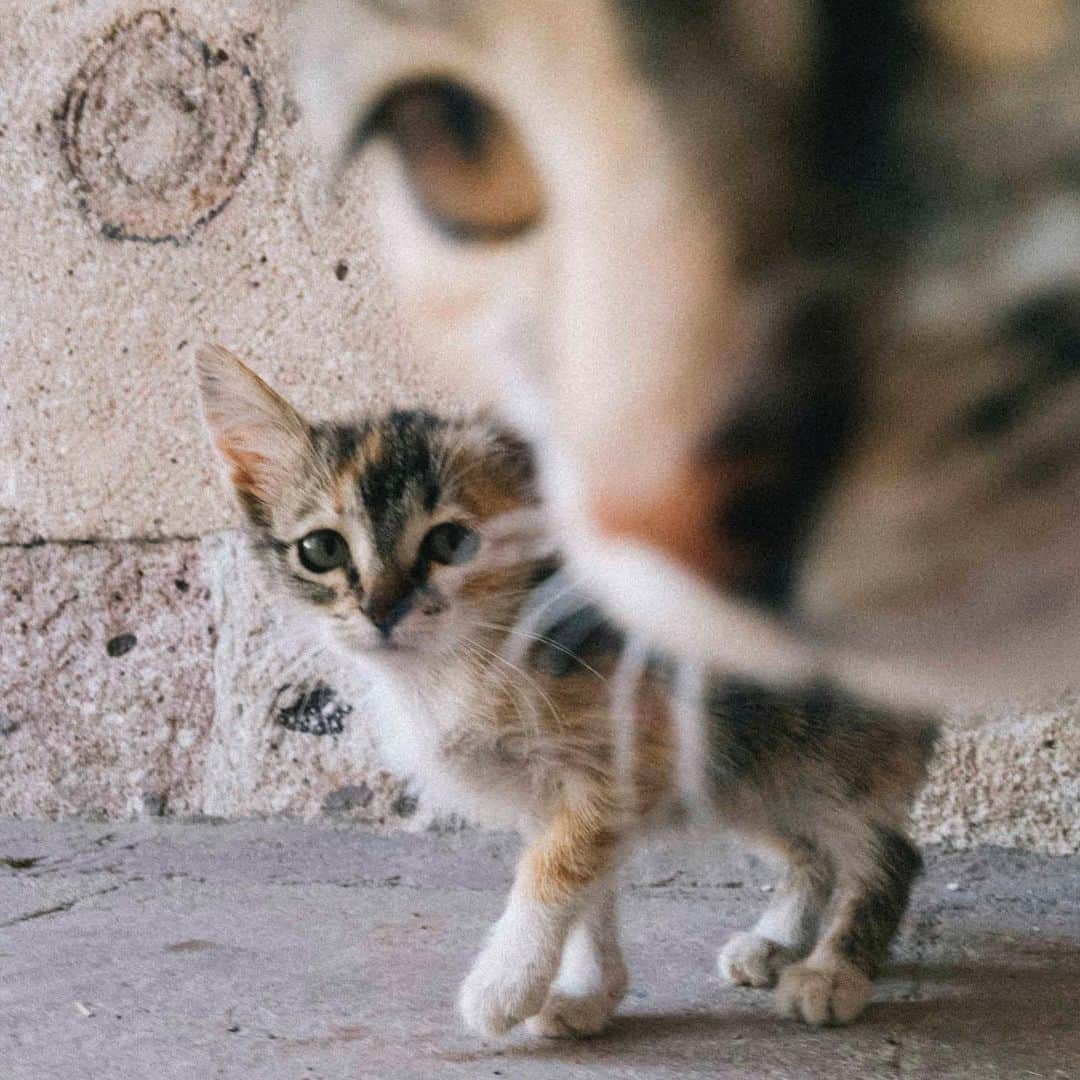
(148, 677)
(156, 194)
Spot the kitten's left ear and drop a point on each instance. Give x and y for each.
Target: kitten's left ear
(261, 438)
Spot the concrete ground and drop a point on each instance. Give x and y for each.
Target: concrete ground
(282, 950)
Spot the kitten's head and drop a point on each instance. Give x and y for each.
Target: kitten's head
(401, 534)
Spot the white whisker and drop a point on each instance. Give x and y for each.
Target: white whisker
(542, 640)
(520, 671)
(553, 600)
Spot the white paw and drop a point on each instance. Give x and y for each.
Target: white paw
(572, 1015)
(512, 975)
(566, 1016)
(750, 960)
(823, 992)
(494, 1001)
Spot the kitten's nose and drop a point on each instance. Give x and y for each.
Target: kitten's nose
(386, 610)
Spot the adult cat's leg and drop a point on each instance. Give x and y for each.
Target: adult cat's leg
(552, 887)
(592, 974)
(832, 984)
(787, 928)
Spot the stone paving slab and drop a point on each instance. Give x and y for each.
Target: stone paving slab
(284, 950)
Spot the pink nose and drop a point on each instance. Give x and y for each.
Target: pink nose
(685, 520)
(675, 523)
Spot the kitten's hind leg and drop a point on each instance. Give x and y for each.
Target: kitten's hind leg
(786, 930)
(832, 985)
(592, 975)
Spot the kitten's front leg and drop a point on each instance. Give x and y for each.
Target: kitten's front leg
(511, 978)
(592, 975)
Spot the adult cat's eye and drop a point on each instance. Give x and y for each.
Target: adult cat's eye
(322, 551)
(450, 544)
(467, 165)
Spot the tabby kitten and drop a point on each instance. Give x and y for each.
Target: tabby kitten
(415, 545)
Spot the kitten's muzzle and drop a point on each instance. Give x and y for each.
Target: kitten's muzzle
(385, 612)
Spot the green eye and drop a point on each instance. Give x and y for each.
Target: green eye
(450, 544)
(323, 551)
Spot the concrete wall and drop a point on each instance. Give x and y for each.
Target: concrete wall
(156, 194)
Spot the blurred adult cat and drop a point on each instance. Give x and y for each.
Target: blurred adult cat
(785, 290)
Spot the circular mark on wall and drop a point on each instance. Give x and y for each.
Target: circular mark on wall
(159, 129)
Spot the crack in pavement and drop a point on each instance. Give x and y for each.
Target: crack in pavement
(924, 929)
(51, 864)
(57, 909)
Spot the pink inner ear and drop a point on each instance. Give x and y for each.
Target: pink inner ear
(245, 463)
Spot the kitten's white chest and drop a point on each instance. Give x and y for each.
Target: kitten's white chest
(431, 731)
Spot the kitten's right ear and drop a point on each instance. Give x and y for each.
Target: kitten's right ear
(261, 438)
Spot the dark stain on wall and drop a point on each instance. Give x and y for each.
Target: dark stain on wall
(121, 644)
(315, 710)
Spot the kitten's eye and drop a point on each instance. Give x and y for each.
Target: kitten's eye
(468, 167)
(323, 551)
(450, 544)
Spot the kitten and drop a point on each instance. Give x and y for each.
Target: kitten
(806, 270)
(415, 545)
